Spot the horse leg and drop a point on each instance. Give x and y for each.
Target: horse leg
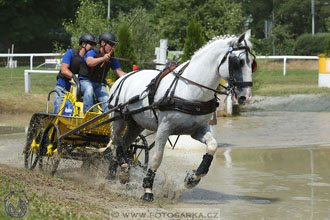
(117, 128)
(148, 181)
(133, 130)
(203, 135)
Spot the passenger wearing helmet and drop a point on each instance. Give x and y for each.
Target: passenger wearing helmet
(72, 62)
(99, 61)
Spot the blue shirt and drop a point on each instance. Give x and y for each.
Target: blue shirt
(67, 58)
(114, 62)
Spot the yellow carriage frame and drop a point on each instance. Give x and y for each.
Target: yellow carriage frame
(54, 136)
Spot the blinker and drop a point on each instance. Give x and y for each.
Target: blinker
(234, 62)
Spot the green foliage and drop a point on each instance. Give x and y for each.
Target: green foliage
(118, 7)
(216, 16)
(194, 39)
(262, 47)
(309, 45)
(144, 34)
(327, 48)
(221, 17)
(32, 26)
(125, 48)
(90, 17)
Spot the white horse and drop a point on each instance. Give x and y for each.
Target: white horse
(192, 86)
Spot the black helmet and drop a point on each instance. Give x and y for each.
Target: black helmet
(88, 38)
(108, 37)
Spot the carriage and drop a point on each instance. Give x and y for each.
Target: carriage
(71, 135)
(177, 101)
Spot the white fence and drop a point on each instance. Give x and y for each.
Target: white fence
(285, 58)
(31, 55)
(28, 72)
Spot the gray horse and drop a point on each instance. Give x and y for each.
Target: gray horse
(183, 102)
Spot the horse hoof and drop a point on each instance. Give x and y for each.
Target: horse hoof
(148, 197)
(124, 174)
(190, 180)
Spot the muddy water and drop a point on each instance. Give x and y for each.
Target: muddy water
(273, 162)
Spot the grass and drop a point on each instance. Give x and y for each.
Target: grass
(40, 205)
(300, 79)
(61, 198)
(13, 98)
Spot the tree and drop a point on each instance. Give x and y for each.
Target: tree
(171, 18)
(144, 34)
(33, 25)
(125, 48)
(221, 17)
(216, 16)
(90, 17)
(117, 7)
(194, 39)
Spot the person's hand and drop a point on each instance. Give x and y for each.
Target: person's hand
(106, 57)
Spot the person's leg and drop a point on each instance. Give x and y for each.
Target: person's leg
(102, 96)
(88, 94)
(58, 98)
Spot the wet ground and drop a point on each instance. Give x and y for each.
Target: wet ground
(273, 162)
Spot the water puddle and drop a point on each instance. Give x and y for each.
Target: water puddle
(273, 162)
(277, 183)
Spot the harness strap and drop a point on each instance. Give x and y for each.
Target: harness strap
(200, 85)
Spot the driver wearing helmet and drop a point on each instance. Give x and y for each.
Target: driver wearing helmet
(71, 64)
(99, 61)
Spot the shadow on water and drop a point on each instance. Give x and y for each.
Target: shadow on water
(210, 197)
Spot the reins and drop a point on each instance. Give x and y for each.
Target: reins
(200, 85)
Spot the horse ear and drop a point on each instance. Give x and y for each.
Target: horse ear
(240, 38)
(246, 35)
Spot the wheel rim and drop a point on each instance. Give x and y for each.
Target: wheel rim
(50, 150)
(139, 152)
(33, 143)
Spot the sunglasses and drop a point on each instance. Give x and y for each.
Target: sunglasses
(91, 43)
(111, 44)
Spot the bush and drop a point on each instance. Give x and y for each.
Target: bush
(194, 39)
(262, 47)
(327, 48)
(125, 48)
(310, 45)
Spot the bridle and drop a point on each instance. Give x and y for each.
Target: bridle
(234, 67)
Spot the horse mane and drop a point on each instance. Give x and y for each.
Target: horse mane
(217, 38)
(229, 38)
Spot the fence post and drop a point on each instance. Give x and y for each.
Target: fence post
(284, 66)
(27, 81)
(31, 62)
(162, 54)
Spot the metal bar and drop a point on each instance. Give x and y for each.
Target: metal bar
(88, 123)
(130, 101)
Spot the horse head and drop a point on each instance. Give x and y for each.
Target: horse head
(236, 68)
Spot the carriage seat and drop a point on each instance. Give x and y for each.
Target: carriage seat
(76, 92)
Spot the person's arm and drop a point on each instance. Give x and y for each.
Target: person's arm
(115, 66)
(65, 70)
(92, 61)
(119, 72)
(65, 65)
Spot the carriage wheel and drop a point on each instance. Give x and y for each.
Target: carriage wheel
(50, 150)
(32, 143)
(138, 152)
